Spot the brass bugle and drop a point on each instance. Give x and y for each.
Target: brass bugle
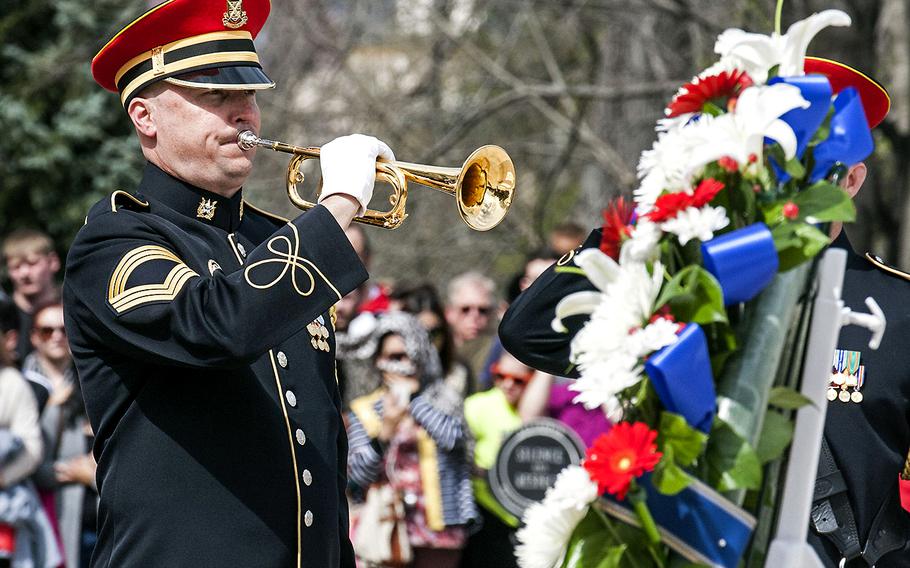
(483, 186)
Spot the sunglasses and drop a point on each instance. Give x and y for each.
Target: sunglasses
(482, 310)
(46, 332)
(520, 380)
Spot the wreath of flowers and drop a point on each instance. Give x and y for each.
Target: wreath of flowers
(729, 161)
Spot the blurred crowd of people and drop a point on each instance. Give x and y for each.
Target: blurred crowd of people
(428, 396)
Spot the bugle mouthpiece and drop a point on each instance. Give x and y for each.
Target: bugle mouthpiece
(247, 140)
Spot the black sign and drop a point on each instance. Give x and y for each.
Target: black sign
(529, 461)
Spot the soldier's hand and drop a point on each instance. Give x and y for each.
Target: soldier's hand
(349, 167)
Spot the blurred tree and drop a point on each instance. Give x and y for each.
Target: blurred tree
(65, 142)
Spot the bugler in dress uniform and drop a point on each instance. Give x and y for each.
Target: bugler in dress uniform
(216, 412)
(868, 424)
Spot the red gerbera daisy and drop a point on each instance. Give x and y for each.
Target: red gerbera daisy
(706, 191)
(717, 89)
(625, 452)
(616, 229)
(668, 205)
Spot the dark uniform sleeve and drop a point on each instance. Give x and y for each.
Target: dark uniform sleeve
(141, 296)
(525, 330)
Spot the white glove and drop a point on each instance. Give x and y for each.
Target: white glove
(349, 167)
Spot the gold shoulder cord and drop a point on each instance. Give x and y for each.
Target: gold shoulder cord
(905, 475)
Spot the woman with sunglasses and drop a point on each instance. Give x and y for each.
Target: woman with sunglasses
(66, 478)
(410, 435)
(491, 416)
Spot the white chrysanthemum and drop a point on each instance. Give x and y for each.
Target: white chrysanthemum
(642, 244)
(608, 357)
(665, 166)
(757, 53)
(573, 489)
(693, 223)
(654, 336)
(548, 525)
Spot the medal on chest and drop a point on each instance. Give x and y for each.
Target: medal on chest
(319, 334)
(847, 377)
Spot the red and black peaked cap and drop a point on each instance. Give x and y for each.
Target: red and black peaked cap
(195, 43)
(875, 99)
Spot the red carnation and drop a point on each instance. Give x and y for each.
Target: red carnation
(669, 205)
(729, 164)
(717, 89)
(625, 452)
(706, 191)
(617, 217)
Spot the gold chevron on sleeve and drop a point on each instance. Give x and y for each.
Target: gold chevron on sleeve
(122, 298)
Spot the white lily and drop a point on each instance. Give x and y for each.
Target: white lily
(756, 54)
(741, 134)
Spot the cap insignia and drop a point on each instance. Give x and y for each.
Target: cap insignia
(206, 209)
(235, 16)
(158, 60)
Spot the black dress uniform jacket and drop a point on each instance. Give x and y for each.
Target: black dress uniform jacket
(869, 440)
(201, 334)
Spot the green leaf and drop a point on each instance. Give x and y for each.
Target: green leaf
(676, 436)
(732, 462)
(787, 399)
(776, 435)
(668, 477)
(797, 242)
(795, 168)
(594, 545)
(825, 202)
(694, 295)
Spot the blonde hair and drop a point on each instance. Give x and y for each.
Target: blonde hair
(23, 242)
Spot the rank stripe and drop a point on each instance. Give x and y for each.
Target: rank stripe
(132, 263)
(132, 260)
(177, 278)
(287, 422)
(123, 299)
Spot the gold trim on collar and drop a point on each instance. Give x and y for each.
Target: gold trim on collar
(880, 264)
(265, 213)
(120, 193)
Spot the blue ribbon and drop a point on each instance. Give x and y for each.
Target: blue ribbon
(681, 376)
(697, 522)
(744, 261)
(850, 140)
(805, 122)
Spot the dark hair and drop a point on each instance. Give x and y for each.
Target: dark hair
(9, 316)
(570, 229)
(52, 302)
(423, 298)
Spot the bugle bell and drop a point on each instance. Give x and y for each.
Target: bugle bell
(483, 186)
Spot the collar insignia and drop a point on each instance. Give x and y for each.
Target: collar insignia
(206, 209)
(235, 16)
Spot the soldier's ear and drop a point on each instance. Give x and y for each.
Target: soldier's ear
(140, 111)
(855, 178)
